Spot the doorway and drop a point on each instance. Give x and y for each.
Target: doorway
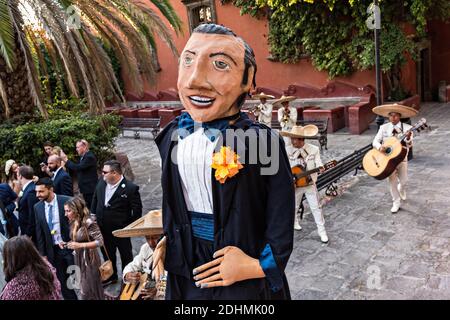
(424, 71)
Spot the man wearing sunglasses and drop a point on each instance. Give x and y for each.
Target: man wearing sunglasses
(116, 204)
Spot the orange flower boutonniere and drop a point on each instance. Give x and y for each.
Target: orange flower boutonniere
(226, 164)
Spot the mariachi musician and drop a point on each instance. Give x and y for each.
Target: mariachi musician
(287, 115)
(398, 179)
(308, 157)
(150, 227)
(264, 110)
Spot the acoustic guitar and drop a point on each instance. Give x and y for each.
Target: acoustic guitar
(380, 165)
(131, 291)
(302, 178)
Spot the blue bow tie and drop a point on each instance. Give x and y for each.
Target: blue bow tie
(186, 126)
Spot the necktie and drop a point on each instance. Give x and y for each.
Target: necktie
(302, 157)
(396, 130)
(50, 217)
(187, 125)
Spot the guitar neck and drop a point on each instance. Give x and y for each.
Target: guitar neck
(412, 129)
(307, 173)
(403, 136)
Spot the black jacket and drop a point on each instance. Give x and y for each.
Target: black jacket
(26, 211)
(123, 208)
(86, 172)
(250, 210)
(62, 183)
(44, 238)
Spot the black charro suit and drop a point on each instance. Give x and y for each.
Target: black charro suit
(124, 207)
(62, 183)
(87, 176)
(61, 259)
(250, 211)
(26, 211)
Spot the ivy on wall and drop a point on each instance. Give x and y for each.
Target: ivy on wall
(335, 35)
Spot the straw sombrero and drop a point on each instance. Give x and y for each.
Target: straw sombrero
(284, 99)
(148, 225)
(262, 95)
(305, 132)
(404, 111)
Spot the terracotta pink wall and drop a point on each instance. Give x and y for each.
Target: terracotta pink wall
(440, 52)
(270, 74)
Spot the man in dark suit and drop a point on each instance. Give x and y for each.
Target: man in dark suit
(9, 225)
(228, 232)
(52, 231)
(86, 170)
(26, 202)
(116, 203)
(62, 182)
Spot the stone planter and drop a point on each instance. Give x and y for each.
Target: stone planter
(129, 113)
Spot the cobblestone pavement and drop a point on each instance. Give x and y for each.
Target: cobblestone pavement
(372, 254)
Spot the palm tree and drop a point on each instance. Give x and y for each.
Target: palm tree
(71, 33)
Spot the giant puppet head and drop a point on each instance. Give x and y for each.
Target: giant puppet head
(216, 71)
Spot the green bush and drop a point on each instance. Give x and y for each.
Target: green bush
(24, 142)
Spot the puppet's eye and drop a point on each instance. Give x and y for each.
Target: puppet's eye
(188, 60)
(221, 65)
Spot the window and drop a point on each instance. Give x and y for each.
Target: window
(200, 12)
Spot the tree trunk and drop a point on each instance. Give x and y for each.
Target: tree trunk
(16, 86)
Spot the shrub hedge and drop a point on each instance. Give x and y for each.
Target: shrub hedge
(24, 142)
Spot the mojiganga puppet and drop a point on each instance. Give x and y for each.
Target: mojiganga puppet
(228, 225)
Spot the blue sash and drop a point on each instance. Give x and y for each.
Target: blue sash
(202, 225)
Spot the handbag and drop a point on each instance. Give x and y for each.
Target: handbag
(106, 268)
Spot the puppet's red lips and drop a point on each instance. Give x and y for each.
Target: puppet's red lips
(201, 101)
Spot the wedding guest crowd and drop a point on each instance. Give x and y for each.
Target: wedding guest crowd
(49, 225)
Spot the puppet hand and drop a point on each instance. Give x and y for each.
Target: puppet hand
(231, 265)
(159, 255)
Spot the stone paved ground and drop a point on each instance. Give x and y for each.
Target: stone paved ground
(372, 254)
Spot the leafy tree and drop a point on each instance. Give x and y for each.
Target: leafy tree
(62, 41)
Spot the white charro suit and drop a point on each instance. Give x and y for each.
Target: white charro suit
(311, 155)
(398, 179)
(265, 114)
(289, 124)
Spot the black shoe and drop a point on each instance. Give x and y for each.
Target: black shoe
(111, 280)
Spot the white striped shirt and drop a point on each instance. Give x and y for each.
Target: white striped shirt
(194, 157)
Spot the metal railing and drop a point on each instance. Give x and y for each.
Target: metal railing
(328, 179)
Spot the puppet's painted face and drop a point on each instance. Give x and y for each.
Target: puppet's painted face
(210, 76)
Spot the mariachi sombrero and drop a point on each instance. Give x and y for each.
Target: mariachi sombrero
(300, 132)
(148, 225)
(404, 111)
(284, 99)
(262, 95)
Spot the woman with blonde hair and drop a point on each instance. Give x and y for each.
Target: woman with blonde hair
(59, 152)
(86, 238)
(11, 170)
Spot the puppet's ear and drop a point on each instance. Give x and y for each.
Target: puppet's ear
(251, 75)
